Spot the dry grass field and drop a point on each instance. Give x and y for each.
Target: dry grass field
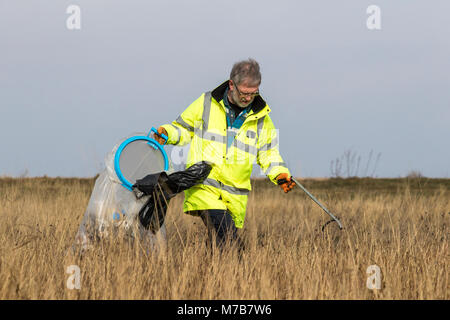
(399, 225)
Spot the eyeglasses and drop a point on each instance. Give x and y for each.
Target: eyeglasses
(250, 94)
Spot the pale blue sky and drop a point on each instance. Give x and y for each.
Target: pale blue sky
(67, 96)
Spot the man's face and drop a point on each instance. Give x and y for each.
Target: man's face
(243, 94)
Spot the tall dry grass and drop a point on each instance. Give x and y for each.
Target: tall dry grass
(396, 226)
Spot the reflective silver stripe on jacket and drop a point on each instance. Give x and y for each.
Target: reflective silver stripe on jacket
(251, 134)
(183, 123)
(179, 133)
(205, 134)
(230, 189)
(206, 110)
(208, 135)
(270, 145)
(245, 147)
(275, 164)
(260, 125)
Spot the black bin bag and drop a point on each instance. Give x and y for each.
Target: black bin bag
(161, 187)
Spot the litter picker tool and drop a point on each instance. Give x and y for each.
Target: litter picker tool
(333, 218)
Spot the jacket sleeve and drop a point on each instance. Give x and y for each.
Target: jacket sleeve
(181, 131)
(268, 155)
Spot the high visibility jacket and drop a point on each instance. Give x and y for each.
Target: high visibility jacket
(204, 125)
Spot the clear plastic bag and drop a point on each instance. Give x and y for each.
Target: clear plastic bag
(113, 211)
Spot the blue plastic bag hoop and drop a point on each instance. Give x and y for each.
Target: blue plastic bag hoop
(151, 142)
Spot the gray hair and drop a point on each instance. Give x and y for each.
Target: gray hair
(246, 70)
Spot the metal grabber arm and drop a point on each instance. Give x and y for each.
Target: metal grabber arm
(333, 218)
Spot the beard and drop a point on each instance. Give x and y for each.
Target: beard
(240, 102)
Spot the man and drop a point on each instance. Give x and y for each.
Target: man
(230, 128)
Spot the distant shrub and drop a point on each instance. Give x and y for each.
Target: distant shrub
(414, 174)
(349, 165)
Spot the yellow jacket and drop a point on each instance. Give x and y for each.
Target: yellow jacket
(204, 125)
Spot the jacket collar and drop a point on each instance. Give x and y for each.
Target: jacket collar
(258, 103)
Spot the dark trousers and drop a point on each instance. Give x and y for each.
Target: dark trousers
(221, 228)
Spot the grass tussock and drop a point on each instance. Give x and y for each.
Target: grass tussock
(400, 225)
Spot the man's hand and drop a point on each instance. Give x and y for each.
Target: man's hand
(160, 140)
(285, 182)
